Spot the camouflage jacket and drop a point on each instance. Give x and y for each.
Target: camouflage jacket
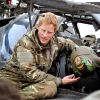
(32, 61)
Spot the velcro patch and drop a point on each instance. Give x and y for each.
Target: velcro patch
(24, 56)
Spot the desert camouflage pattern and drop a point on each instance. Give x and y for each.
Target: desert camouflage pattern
(85, 52)
(29, 64)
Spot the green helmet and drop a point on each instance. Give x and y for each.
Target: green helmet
(83, 66)
(83, 60)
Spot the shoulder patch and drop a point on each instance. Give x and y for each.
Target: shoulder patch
(24, 55)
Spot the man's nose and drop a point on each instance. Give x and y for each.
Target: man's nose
(45, 33)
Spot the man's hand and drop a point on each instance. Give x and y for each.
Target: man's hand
(69, 79)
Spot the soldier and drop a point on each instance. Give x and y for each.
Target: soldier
(32, 58)
(86, 64)
(84, 61)
(89, 40)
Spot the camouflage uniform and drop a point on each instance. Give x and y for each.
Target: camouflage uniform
(88, 56)
(87, 67)
(85, 52)
(29, 64)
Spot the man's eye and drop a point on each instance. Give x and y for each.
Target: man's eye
(50, 32)
(43, 30)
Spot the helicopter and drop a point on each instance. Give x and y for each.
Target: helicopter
(70, 14)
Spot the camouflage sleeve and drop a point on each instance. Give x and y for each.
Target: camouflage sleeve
(29, 69)
(66, 43)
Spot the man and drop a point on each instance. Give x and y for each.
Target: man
(86, 64)
(84, 61)
(89, 40)
(32, 58)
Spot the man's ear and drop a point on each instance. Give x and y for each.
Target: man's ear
(36, 26)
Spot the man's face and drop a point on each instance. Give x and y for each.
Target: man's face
(45, 33)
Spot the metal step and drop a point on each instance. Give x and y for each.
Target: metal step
(66, 94)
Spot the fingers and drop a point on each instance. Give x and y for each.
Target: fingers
(71, 76)
(74, 80)
(77, 78)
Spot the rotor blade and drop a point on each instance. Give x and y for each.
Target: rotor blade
(65, 5)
